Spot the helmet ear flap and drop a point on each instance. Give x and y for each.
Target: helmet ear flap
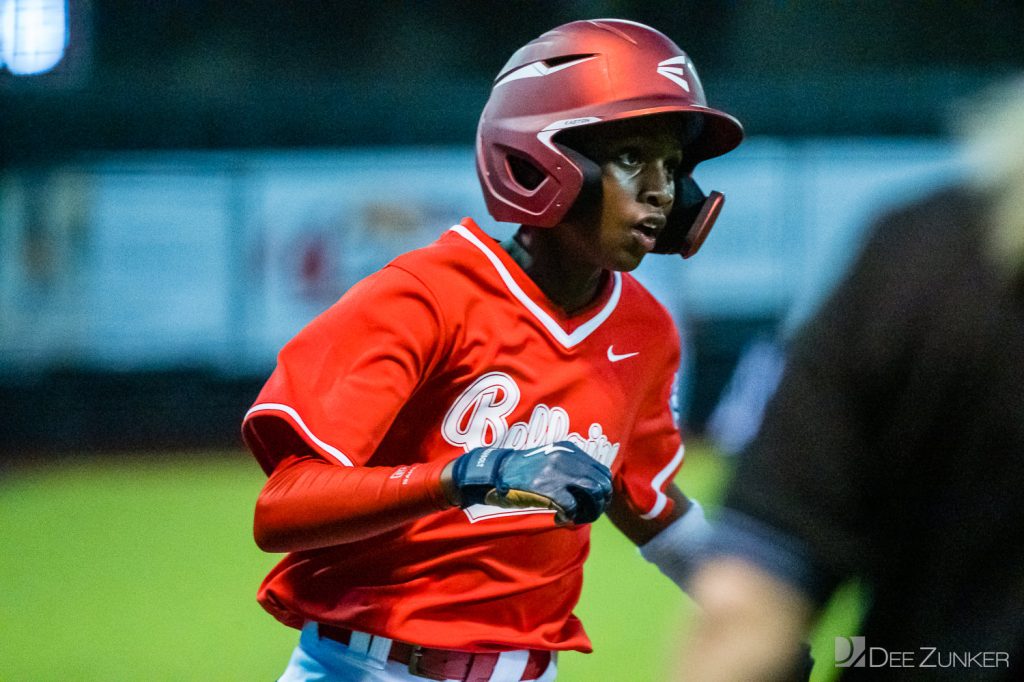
(692, 217)
(589, 196)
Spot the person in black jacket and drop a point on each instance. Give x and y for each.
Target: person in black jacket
(893, 452)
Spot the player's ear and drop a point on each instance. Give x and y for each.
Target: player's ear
(692, 217)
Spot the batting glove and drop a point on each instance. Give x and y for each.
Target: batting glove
(559, 476)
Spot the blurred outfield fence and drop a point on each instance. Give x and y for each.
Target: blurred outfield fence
(209, 261)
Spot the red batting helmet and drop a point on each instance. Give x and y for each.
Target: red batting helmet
(585, 73)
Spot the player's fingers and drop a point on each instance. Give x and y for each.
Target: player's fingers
(519, 499)
(590, 503)
(523, 499)
(591, 497)
(581, 501)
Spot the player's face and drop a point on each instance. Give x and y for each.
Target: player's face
(639, 159)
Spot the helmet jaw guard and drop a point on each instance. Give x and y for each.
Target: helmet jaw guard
(586, 73)
(692, 217)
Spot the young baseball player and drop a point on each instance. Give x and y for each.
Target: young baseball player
(439, 440)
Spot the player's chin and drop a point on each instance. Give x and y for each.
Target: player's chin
(629, 256)
(628, 263)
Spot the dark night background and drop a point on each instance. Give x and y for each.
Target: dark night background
(261, 73)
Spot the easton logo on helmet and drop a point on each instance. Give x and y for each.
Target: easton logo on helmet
(674, 69)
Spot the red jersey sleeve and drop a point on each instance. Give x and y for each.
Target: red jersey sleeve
(341, 381)
(654, 452)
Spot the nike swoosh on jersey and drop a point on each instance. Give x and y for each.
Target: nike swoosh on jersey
(616, 357)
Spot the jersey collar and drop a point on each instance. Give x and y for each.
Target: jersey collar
(568, 330)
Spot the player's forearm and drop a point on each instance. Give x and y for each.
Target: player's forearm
(308, 503)
(639, 529)
(749, 627)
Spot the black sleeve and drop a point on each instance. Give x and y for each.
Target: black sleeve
(809, 491)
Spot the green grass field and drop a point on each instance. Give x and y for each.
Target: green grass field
(143, 568)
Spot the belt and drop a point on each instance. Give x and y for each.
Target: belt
(445, 664)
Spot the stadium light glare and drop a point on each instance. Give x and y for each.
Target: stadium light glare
(33, 35)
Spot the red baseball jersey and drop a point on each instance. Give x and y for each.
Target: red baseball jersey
(448, 348)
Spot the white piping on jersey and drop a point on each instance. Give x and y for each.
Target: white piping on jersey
(564, 338)
(658, 481)
(277, 407)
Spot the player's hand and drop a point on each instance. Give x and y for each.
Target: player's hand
(559, 476)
